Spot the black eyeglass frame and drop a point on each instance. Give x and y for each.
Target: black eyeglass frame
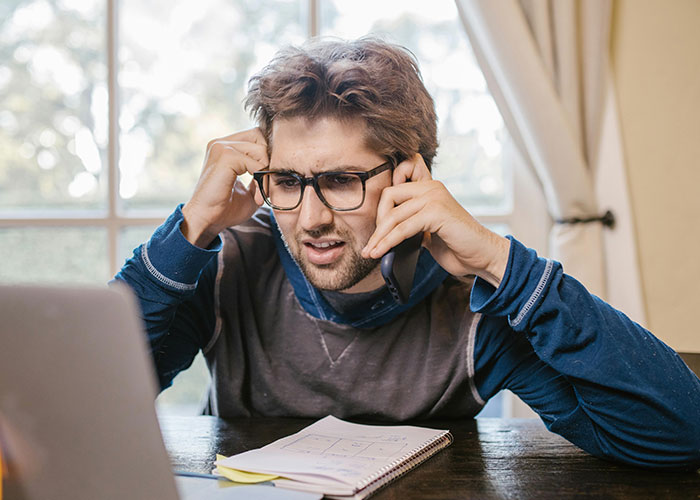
(313, 180)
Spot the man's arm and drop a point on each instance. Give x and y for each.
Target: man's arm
(593, 375)
(620, 392)
(174, 283)
(220, 199)
(165, 273)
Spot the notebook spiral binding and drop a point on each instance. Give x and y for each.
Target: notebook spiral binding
(402, 465)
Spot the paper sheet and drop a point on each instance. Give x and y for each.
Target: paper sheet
(333, 453)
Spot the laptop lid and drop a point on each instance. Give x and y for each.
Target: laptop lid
(77, 390)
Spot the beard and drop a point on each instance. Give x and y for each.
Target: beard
(340, 275)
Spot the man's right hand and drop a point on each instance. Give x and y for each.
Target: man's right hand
(220, 199)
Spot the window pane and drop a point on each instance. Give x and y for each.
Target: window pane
(54, 255)
(53, 104)
(471, 128)
(493, 407)
(184, 68)
(187, 394)
(130, 238)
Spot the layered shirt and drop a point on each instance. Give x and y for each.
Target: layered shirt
(277, 346)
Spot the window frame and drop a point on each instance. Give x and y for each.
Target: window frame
(523, 185)
(115, 219)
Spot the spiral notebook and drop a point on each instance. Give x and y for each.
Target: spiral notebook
(341, 459)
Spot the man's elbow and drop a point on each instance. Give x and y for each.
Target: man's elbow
(678, 451)
(674, 445)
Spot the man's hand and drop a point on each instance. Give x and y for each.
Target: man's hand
(460, 244)
(220, 199)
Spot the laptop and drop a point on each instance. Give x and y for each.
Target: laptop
(77, 391)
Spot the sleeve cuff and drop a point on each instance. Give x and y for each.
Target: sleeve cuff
(525, 281)
(171, 259)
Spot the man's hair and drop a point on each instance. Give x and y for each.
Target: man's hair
(370, 79)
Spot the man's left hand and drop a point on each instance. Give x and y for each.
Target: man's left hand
(460, 244)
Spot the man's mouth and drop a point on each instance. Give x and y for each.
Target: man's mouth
(323, 252)
(324, 244)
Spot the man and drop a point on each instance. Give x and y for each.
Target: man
(292, 315)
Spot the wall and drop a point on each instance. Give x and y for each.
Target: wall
(655, 49)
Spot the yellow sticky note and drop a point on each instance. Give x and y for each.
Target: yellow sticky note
(239, 476)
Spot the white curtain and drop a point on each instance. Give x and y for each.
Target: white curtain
(546, 64)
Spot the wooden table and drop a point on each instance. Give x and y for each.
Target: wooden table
(490, 458)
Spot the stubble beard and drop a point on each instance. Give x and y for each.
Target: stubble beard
(342, 274)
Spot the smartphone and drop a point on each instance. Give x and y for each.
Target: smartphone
(398, 267)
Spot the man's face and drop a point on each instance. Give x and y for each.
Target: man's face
(325, 243)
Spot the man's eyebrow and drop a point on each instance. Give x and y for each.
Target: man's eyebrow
(284, 171)
(339, 168)
(345, 168)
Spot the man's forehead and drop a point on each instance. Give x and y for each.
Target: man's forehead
(305, 131)
(313, 122)
(327, 144)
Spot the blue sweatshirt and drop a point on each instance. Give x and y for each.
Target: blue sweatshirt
(594, 376)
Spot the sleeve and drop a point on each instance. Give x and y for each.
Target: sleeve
(174, 284)
(593, 375)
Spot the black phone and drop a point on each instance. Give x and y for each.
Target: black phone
(398, 267)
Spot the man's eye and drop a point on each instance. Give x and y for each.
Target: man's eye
(343, 180)
(286, 181)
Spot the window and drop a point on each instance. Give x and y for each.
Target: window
(106, 107)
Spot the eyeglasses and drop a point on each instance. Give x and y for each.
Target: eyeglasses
(340, 191)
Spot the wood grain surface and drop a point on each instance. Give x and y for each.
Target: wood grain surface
(490, 458)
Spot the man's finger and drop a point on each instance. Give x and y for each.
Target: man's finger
(411, 170)
(256, 151)
(253, 135)
(396, 195)
(377, 244)
(238, 162)
(398, 233)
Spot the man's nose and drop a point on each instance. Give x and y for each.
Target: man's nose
(313, 213)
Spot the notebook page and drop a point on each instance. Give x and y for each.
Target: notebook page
(334, 453)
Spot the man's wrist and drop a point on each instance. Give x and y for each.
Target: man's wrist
(195, 232)
(496, 268)
(171, 259)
